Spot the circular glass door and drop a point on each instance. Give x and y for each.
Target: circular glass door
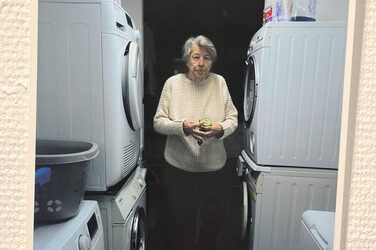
(138, 232)
(249, 92)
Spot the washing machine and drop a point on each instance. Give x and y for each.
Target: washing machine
(90, 83)
(293, 94)
(84, 231)
(275, 198)
(123, 213)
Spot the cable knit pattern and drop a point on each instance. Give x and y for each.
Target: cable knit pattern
(183, 99)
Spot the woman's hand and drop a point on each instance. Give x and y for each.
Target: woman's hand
(215, 130)
(192, 128)
(201, 133)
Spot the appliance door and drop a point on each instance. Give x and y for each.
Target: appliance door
(246, 233)
(132, 86)
(250, 173)
(250, 91)
(252, 203)
(138, 231)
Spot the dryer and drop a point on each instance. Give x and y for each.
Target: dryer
(84, 231)
(293, 94)
(90, 83)
(123, 212)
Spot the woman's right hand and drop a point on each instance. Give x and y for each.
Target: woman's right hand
(192, 128)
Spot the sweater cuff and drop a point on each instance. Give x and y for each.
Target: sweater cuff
(179, 128)
(226, 131)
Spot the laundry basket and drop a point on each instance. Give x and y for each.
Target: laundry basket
(60, 178)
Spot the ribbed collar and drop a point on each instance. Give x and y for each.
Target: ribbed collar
(199, 84)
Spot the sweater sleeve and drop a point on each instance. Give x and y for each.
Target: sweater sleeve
(163, 124)
(230, 123)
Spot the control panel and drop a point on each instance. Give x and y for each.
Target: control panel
(129, 195)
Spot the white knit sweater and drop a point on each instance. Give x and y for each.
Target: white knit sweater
(183, 99)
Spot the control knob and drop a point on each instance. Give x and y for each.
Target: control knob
(140, 182)
(84, 242)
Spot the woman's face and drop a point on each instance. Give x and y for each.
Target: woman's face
(199, 64)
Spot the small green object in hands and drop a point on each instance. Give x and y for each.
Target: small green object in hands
(207, 121)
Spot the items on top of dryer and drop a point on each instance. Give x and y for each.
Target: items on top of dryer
(277, 11)
(305, 10)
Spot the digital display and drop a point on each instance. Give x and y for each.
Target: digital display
(92, 225)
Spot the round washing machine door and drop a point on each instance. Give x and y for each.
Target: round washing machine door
(132, 86)
(138, 232)
(245, 211)
(250, 91)
(248, 214)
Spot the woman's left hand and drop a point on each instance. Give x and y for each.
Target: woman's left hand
(215, 130)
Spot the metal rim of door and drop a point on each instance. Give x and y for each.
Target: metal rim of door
(250, 91)
(131, 86)
(245, 211)
(138, 231)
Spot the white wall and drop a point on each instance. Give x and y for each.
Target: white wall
(17, 121)
(356, 195)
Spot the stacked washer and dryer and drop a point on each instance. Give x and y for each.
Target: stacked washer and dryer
(292, 113)
(90, 88)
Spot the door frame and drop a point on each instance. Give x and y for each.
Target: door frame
(354, 43)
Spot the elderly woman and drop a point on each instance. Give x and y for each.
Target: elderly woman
(194, 150)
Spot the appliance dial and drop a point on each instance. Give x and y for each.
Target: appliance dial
(84, 242)
(140, 183)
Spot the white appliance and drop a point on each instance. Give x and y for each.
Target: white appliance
(89, 83)
(124, 214)
(82, 232)
(293, 94)
(317, 230)
(136, 10)
(274, 199)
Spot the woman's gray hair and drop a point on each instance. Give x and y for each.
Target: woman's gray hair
(201, 41)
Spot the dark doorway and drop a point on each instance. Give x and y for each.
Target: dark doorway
(230, 25)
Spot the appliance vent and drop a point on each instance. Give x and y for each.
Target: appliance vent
(129, 159)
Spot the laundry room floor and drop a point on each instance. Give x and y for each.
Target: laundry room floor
(158, 234)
